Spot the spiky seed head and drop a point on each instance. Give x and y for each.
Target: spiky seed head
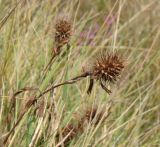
(108, 67)
(62, 32)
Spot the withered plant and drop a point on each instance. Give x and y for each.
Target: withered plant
(62, 35)
(106, 68)
(92, 116)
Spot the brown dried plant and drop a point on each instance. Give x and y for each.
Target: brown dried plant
(91, 116)
(63, 31)
(107, 68)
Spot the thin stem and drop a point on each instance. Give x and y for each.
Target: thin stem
(72, 81)
(49, 63)
(19, 92)
(4, 20)
(91, 83)
(104, 87)
(56, 51)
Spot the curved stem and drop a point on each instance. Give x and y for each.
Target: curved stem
(104, 87)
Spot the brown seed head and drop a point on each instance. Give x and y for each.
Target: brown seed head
(94, 115)
(108, 68)
(63, 32)
(70, 130)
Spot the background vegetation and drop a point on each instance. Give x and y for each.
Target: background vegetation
(131, 27)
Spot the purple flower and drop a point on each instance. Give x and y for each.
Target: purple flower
(110, 20)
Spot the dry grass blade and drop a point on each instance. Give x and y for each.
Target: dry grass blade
(4, 20)
(38, 48)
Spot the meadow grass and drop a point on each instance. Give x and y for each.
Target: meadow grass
(128, 27)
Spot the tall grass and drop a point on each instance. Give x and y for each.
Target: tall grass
(129, 27)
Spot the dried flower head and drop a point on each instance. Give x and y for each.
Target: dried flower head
(63, 32)
(107, 68)
(93, 115)
(69, 130)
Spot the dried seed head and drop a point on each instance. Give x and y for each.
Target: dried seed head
(69, 130)
(108, 68)
(93, 115)
(63, 32)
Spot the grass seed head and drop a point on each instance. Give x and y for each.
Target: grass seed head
(108, 68)
(63, 32)
(93, 115)
(71, 130)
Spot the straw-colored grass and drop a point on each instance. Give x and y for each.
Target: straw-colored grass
(128, 27)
